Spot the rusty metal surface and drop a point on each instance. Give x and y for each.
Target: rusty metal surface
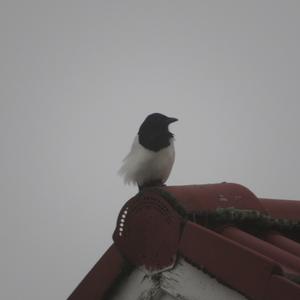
(148, 231)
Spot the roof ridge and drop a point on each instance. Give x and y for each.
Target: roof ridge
(244, 218)
(248, 219)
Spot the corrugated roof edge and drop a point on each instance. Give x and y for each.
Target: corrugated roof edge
(234, 264)
(237, 266)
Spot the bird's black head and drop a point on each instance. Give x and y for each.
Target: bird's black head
(154, 133)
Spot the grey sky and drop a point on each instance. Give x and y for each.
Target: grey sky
(77, 79)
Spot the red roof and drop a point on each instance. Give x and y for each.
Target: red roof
(159, 224)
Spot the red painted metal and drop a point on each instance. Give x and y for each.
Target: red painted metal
(282, 257)
(282, 242)
(237, 266)
(99, 280)
(281, 288)
(148, 231)
(208, 197)
(289, 209)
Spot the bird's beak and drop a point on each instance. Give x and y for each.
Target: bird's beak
(172, 120)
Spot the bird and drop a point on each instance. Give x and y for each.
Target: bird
(152, 153)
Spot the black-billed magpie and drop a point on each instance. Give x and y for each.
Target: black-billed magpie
(152, 154)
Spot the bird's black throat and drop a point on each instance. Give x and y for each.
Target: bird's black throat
(155, 142)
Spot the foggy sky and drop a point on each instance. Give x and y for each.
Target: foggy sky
(77, 79)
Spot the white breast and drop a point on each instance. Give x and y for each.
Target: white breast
(142, 165)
